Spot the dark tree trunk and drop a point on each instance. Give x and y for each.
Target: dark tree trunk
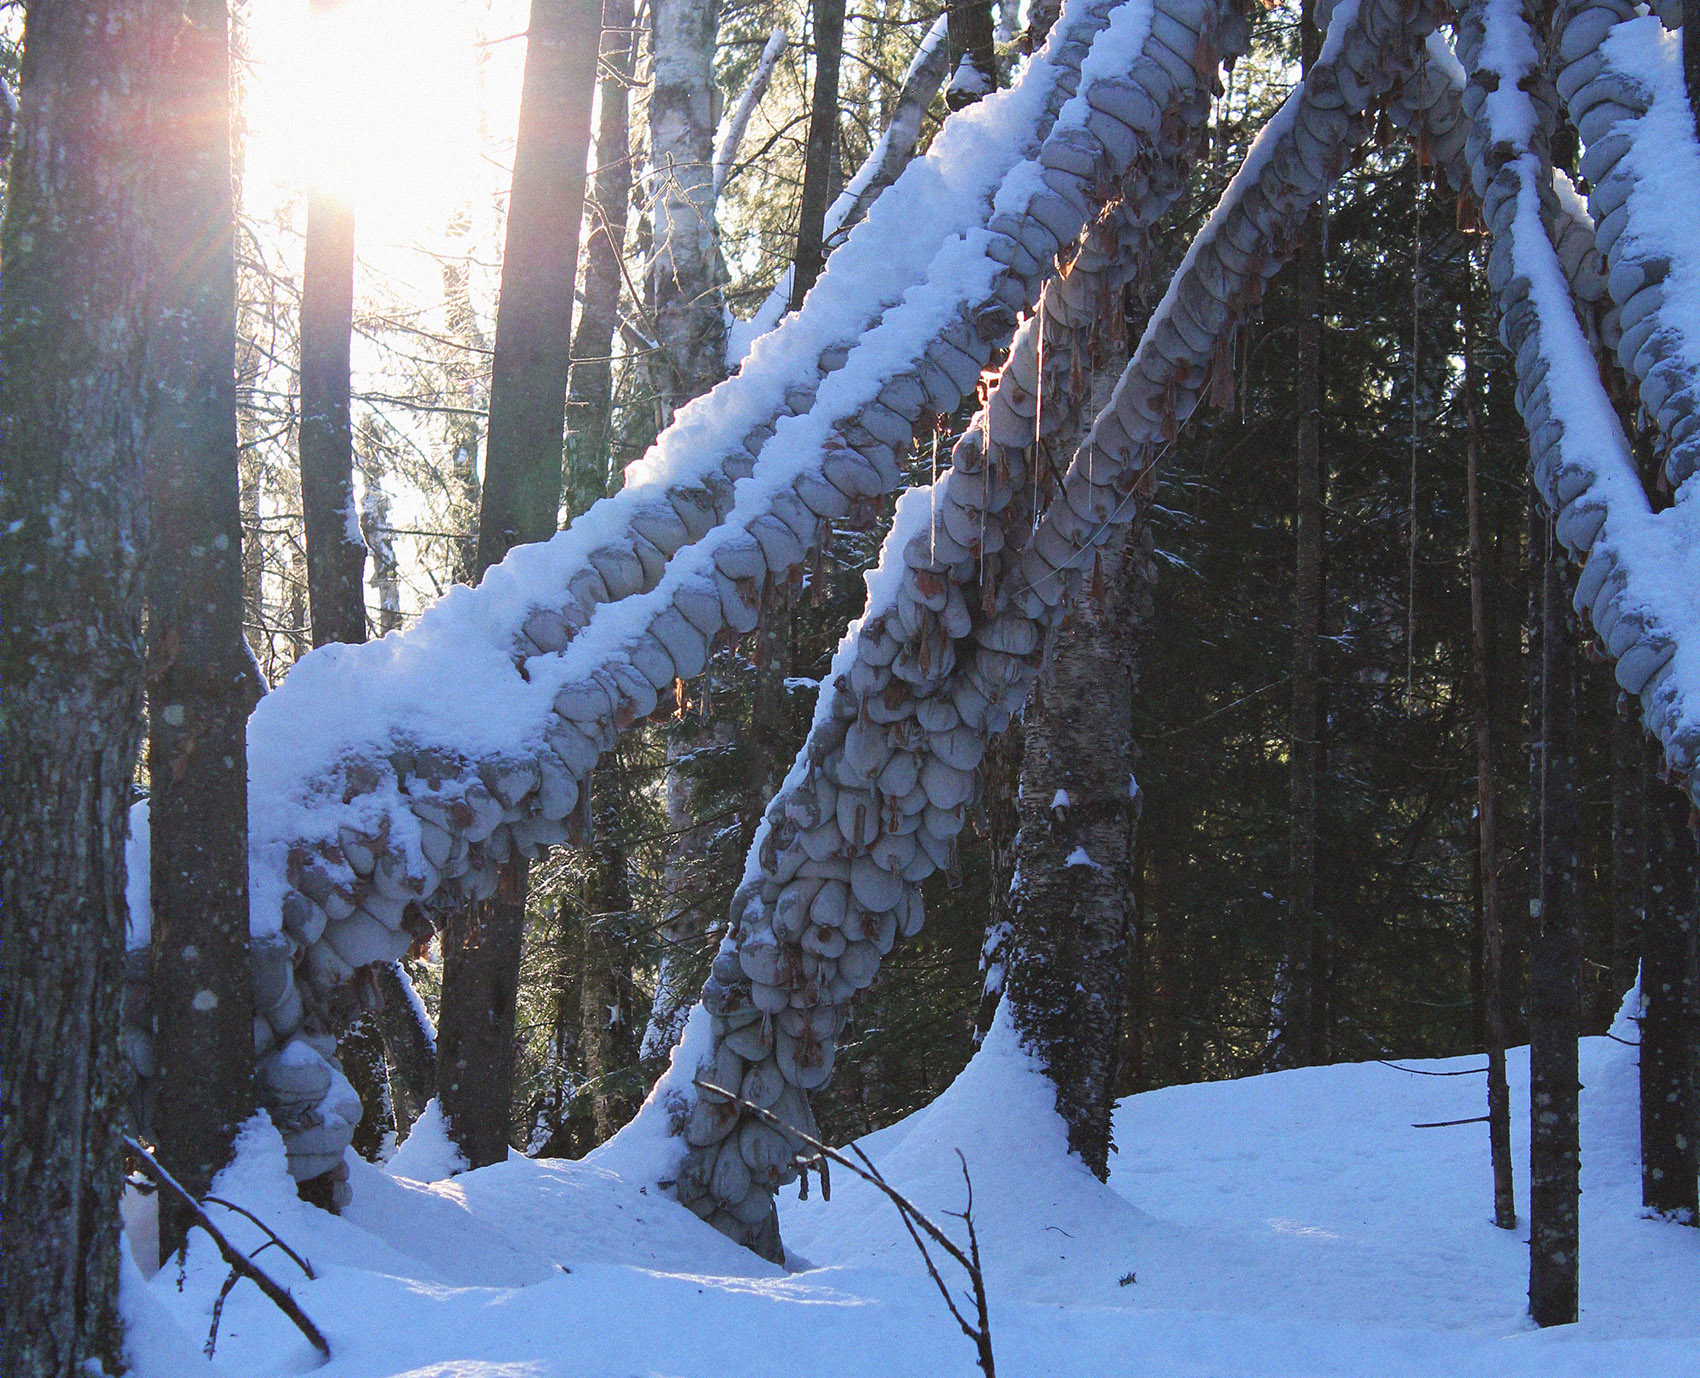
(1000, 774)
(1691, 57)
(973, 54)
(1294, 1025)
(1630, 783)
(607, 1022)
(1492, 997)
(360, 1051)
(1041, 18)
(521, 503)
(1072, 945)
(533, 348)
(822, 151)
(1555, 999)
(336, 554)
(1669, 1015)
(199, 667)
(73, 514)
(410, 1044)
(475, 1036)
(590, 398)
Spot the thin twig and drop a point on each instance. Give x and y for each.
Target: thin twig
(1447, 1124)
(239, 1262)
(1419, 1072)
(909, 1213)
(300, 1262)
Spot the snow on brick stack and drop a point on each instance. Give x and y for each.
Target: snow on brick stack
(1638, 586)
(948, 645)
(390, 778)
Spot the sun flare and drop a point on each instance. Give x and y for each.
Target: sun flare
(391, 105)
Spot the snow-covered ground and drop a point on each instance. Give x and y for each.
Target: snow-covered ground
(1293, 1224)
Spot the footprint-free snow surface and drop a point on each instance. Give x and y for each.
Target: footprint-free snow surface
(1293, 1224)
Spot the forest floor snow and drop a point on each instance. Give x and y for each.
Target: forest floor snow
(1274, 1227)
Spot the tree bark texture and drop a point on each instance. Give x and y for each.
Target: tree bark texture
(1068, 970)
(410, 1044)
(533, 347)
(684, 263)
(973, 53)
(475, 1036)
(1670, 1015)
(607, 1015)
(822, 149)
(1487, 839)
(360, 1053)
(590, 429)
(198, 695)
(336, 553)
(1631, 782)
(1555, 1001)
(1295, 1020)
(73, 535)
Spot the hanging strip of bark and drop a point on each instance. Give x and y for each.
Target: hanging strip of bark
(336, 552)
(533, 346)
(821, 150)
(1487, 850)
(198, 696)
(73, 537)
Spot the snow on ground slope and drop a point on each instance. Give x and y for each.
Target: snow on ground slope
(1277, 1226)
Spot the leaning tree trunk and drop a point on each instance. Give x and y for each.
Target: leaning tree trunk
(521, 503)
(1669, 1015)
(822, 150)
(1555, 964)
(73, 511)
(198, 692)
(336, 553)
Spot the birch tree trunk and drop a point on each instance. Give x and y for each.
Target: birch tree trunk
(822, 149)
(336, 553)
(73, 512)
(198, 691)
(683, 108)
(1555, 967)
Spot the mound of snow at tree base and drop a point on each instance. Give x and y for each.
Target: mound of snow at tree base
(1284, 1225)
